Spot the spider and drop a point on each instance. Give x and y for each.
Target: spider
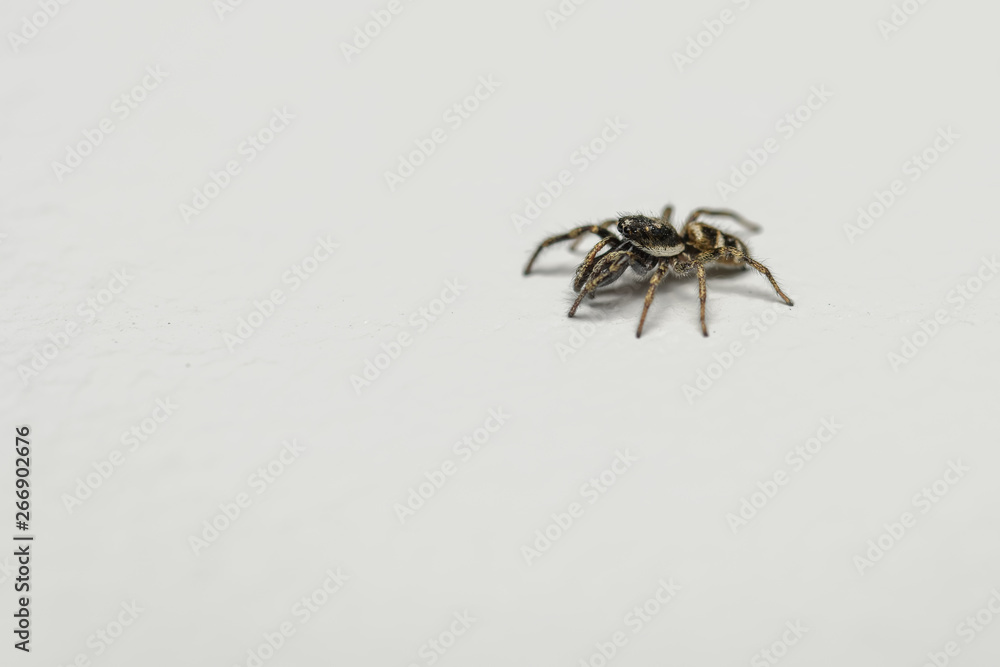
(647, 244)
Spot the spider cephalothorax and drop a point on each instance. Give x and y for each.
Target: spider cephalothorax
(648, 243)
(652, 236)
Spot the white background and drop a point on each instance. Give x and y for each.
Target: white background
(502, 344)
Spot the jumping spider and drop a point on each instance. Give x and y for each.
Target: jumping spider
(647, 244)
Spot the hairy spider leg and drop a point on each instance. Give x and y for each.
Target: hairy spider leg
(702, 297)
(609, 268)
(571, 234)
(604, 225)
(733, 254)
(661, 273)
(583, 272)
(724, 213)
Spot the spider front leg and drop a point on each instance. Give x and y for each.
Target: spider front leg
(606, 270)
(583, 272)
(570, 235)
(660, 274)
(604, 225)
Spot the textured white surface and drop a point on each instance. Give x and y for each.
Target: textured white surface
(500, 344)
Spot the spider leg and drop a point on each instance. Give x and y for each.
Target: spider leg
(734, 254)
(741, 256)
(698, 263)
(702, 295)
(570, 235)
(606, 270)
(583, 272)
(668, 212)
(725, 213)
(603, 225)
(660, 274)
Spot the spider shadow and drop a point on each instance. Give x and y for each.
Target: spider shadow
(557, 270)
